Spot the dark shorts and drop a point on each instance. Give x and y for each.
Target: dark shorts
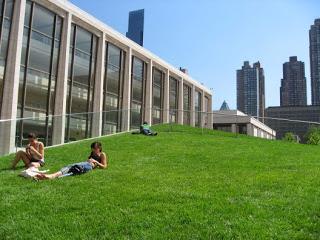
(41, 162)
(85, 165)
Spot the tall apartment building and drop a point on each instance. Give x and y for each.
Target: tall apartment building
(293, 90)
(314, 36)
(251, 90)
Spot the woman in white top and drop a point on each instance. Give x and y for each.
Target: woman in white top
(33, 156)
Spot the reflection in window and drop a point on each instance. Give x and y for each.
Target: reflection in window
(113, 90)
(6, 8)
(80, 84)
(197, 109)
(157, 99)
(137, 92)
(173, 100)
(186, 104)
(39, 61)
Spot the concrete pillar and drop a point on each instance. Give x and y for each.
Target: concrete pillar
(166, 97)
(203, 109)
(249, 129)
(126, 103)
(192, 110)
(98, 88)
(59, 121)
(148, 98)
(234, 128)
(180, 103)
(210, 115)
(11, 81)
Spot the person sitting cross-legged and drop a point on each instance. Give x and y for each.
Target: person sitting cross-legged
(33, 156)
(146, 130)
(97, 159)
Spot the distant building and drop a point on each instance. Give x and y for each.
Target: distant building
(224, 106)
(184, 70)
(136, 26)
(293, 90)
(301, 113)
(251, 90)
(314, 36)
(238, 122)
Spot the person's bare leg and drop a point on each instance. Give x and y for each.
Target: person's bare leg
(21, 155)
(48, 176)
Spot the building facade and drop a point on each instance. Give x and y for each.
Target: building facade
(71, 77)
(251, 90)
(237, 122)
(305, 116)
(293, 90)
(314, 38)
(136, 26)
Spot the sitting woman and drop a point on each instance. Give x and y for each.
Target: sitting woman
(33, 156)
(97, 159)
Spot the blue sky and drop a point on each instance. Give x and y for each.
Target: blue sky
(212, 38)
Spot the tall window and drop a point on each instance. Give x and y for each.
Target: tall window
(137, 92)
(173, 100)
(38, 72)
(80, 83)
(113, 90)
(6, 9)
(157, 96)
(186, 104)
(197, 107)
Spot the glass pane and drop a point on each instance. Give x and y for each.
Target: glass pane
(113, 79)
(137, 68)
(5, 39)
(83, 40)
(43, 20)
(58, 28)
(114, 55)
(81, 68)
(24, 46)
(40, 52)
(9, 8)
(27, 14)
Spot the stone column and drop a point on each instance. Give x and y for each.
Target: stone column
(166, 97)
(148, 99)
(234, 128)
(210, 115)
(192, 109)
(11, 81)
(98, 88)
(126, 103)
(249, 129)
(180, 102)
(203, 110)
(59, 121)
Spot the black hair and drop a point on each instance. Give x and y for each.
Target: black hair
(96, 145)
(32, 135)
(145, 122)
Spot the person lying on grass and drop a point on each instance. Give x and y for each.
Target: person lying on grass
(33, 156)
(97, 159)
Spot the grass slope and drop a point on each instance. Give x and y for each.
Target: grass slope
(183, 184)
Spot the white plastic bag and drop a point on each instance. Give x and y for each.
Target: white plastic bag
(31, 172)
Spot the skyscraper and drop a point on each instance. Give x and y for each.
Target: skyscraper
(293, 90)
(250, 90)
(314, 36)
(136, 26)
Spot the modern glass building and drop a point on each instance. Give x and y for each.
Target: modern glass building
(136, 26)
(68, 77)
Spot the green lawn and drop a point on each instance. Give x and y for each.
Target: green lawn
(183, 184)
